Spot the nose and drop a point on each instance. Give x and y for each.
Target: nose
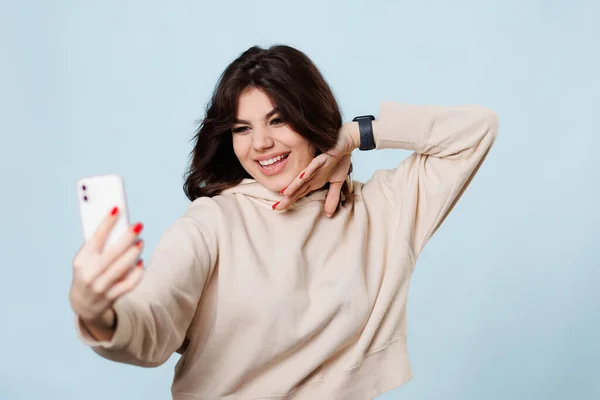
(261, 139)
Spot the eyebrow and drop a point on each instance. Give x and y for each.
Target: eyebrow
(267, 116)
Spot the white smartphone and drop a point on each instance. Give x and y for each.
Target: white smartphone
(98, 195)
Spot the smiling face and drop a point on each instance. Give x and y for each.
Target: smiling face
(268, 149)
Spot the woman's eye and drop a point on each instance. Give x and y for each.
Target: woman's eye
(240, 129)
(276, 121)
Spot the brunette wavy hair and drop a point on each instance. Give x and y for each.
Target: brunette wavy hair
(295, 86)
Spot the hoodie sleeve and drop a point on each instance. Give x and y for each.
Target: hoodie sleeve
(152, 319)
(448, 143)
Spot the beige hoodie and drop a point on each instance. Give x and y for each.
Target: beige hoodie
(267, 305)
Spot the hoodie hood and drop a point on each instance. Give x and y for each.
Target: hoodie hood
(251, 188)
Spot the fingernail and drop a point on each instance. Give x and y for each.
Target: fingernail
(139, 263)
(328, 215)
(137, 228)
(114, 211)
(275, 205)
(139, 243)
(283, 190)
(302, 175)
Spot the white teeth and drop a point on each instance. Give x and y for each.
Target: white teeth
(272, 160)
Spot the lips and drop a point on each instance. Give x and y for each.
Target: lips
(272, 162)
(273, 165)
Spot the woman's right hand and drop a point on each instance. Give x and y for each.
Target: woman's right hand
(102, 275)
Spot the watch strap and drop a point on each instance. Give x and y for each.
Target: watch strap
(365, 127)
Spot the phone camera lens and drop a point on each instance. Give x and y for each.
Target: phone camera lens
(85, 198)
(83, 187)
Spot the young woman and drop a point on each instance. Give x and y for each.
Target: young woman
(283, 279)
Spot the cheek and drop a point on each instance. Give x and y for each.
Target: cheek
(304, 149)
(312, 151)
(240, 148)
(306, 155)
(308, 152)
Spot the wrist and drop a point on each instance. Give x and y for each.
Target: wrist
(109, 318)
(353, 134)
(353, 131)
(106, 321)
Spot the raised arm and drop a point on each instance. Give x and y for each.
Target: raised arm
(152, 319)
(449, 145)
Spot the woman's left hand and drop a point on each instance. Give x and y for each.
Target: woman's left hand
(332, 166)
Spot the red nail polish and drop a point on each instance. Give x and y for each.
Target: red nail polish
(302, 175)
(283, 190)
(139, 263)
(275, 205)
(137, 228)
(114, 211)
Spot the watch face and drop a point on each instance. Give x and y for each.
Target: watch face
(364, 117)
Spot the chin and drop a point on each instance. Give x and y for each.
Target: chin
(275, 177)
(275, 183)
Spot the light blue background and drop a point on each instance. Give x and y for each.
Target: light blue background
(505, 301)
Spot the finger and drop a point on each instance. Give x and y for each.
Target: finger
(305, 175)
(315, 164)
(289, 198)
(126, 285)
(98, 239)
(114, 251)
(333, 198)
(296, 184)
(78, 260)
(86, 273)
(303, 183)
(288, 201)
(119, 268)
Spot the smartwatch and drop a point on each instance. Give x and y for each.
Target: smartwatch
(365, 127)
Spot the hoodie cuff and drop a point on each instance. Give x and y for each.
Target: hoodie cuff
(121, 337)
